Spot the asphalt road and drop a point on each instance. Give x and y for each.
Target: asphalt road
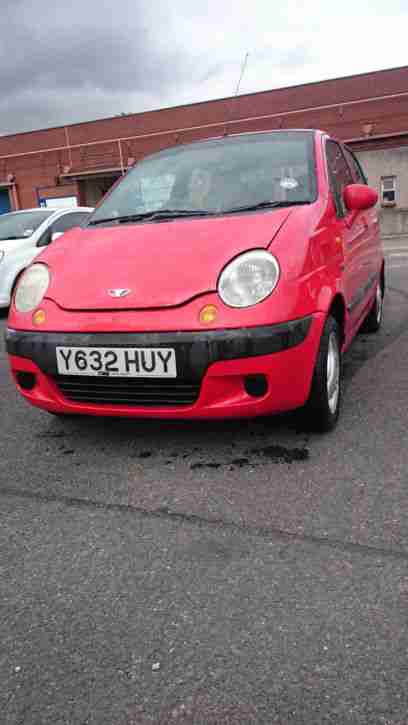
(218, 573)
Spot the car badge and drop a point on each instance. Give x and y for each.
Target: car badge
(119, 292)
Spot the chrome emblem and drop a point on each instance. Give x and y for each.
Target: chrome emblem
(119, 292)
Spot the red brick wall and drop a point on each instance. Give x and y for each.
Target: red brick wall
(298, 107)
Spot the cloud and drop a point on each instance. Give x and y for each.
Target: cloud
(94, 58)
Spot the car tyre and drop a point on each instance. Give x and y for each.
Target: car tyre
(321, 411)
(372, 322)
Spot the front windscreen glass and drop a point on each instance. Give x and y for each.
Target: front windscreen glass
(217, 176)
(21, 225)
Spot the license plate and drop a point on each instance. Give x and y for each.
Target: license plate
(128, 362)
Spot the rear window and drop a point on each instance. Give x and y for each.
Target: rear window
(20, 225)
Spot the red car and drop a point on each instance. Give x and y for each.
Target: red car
(222, 278)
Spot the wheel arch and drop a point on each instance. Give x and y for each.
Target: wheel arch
(337, 310)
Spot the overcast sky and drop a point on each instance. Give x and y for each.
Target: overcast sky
(84, 59)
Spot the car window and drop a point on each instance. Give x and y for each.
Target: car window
(156, 190)
(20, 225)
(218, 175)
(339, 174)
(354, 164)
(68, 221)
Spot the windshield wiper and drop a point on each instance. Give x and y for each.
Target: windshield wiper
(120, 219)
(174, 213)
(7, 239)
(263, 205)
(152, 215)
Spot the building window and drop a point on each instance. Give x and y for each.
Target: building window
(388, 190)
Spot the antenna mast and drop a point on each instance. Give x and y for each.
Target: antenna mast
(242, 72)
(243, 67)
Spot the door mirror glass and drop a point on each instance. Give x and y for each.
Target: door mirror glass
(358, 197)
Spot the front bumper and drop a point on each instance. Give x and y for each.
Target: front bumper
(212, 365)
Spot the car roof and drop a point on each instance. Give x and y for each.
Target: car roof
(317, 133)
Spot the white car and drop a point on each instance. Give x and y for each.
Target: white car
(24, 234)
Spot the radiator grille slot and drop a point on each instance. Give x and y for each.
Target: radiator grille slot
(127, 391)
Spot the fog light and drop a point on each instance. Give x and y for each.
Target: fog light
(39, 317)
(208, 314)
(256, 385)
(26, 380)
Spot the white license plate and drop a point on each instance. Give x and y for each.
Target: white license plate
(128, 362)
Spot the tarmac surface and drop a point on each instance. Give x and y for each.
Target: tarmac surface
(237, 572)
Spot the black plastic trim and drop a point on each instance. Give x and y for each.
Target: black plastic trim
(195, 351)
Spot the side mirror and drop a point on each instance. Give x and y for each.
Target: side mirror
(358, 197)
(56, 235)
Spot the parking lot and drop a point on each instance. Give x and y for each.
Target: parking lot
(229, 572)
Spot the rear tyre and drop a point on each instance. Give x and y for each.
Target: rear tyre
(323, 406)
(372, 322)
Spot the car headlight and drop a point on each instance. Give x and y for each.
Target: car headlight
(248, 279)
(2, 255)
(32, 288)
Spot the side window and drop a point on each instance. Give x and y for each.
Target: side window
(356, 170)
(68, 221)
(339, 174)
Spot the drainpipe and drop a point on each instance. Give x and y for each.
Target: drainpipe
(14, 197)
(122, 168)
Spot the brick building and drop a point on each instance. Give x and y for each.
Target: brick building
(79, 162)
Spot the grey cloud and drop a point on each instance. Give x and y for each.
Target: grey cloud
(44, 109)
(107, 57)
(96, 58)
(65, 62)
(270, 60)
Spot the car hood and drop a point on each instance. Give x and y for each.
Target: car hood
(163, 264)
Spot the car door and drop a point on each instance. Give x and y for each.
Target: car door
(372, 253)
(351, 231)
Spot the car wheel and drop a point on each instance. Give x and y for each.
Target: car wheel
(323, 406)
(372, 322)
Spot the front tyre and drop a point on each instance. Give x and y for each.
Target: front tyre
(323, 406)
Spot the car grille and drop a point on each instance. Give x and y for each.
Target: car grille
(127, 391)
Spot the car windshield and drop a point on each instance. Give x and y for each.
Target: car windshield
(220, 176)
(20, 225)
